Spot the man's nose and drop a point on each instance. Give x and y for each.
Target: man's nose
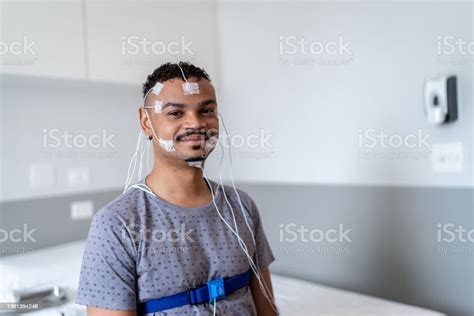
(195, 121)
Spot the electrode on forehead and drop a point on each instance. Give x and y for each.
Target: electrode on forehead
(190, 88)
(157, 88)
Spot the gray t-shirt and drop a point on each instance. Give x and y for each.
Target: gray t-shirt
(140, 247)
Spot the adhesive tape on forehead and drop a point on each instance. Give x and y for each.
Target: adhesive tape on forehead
(157, 88)
(168, 145)
(190, 88)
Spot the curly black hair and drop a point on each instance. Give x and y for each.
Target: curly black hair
(171, 71)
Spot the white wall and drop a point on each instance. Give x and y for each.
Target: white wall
(314, 112)
(95, 86)
(32, 108)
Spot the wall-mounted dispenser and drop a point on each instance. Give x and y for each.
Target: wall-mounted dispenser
(440, 100)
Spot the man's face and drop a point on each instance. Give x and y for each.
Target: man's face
(188, 120)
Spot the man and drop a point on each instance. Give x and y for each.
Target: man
(164, 238)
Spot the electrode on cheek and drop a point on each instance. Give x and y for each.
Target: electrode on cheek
(168, 145)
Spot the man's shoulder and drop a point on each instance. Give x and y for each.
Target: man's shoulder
(239, 195)
(125, 208)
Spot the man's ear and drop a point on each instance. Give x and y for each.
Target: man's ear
(144, 122)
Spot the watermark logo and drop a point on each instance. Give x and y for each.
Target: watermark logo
(138, 50)
(55, 138)
(258, 140)
(454, 50)
(451, 45)
(161, 241)
(18, 53)
(458, 238)
(23, 47)
(291, 233)
(380, 144)
(257, 145)
(134, 45)
(157, 235)
(17, 235)
(299, 51)
(63, 144)
(293, 45)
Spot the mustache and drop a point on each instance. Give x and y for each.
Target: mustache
(206, 134)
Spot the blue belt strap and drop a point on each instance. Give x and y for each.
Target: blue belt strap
(207, 293)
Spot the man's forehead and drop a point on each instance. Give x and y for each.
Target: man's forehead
(177, 84)
(172, 92)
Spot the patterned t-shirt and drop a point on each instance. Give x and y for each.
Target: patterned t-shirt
(140, 247)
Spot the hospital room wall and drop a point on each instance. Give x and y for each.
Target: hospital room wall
(38, 111)
(315, 108)
(312, 173)
(91, 70)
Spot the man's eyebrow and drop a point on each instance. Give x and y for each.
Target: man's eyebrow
(182, 105)
(172, 104)
(206, 102)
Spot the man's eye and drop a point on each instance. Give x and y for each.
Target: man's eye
(174, 113)
(208, 111)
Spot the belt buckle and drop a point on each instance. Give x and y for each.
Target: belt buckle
(188, 292)
(216, 289)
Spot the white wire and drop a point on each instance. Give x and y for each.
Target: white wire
(133, 161)
(140, 166)
(266, 289)
(148, 156)
(263, 287)
(243, 246)
(143, 187)
(182, 72)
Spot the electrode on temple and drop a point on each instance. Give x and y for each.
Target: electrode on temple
(158, 106)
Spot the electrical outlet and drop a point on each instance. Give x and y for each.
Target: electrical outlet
(81, 210)
(447, 157)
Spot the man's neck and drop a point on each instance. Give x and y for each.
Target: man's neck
(182, 186)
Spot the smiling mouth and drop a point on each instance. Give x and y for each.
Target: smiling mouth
(194, 139)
